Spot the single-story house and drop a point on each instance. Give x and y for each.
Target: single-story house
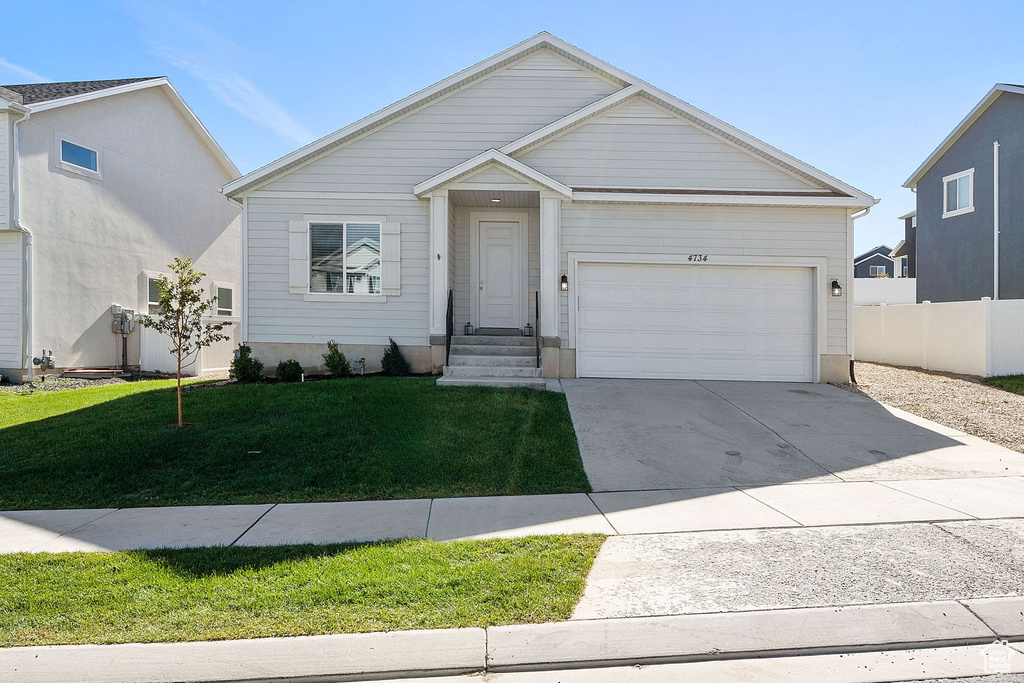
(102, 184)
(545, 192)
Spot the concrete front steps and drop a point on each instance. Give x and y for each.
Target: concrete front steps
(493, 361)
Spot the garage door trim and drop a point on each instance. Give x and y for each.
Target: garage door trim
(818, 266)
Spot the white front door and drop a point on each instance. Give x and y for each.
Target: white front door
(500, 283)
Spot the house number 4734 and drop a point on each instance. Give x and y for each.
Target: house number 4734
(697, 257)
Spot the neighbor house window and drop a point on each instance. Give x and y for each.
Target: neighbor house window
(958, 193)
(154, 296)
(225, 301)
(344, 258)
(875, 271)
(906, 268)
(79, 156)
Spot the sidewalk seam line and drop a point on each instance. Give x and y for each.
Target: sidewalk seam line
(249, 528)
(430, 511)
(914, 495)
(978, 617)
(761, 502)
(604, 516)
(81, 526)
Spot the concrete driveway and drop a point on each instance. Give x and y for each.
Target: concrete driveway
(639, 435)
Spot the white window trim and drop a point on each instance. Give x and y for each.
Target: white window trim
(874, 272)
(217, 284)
(310, 295)
(59, 162)
(969, 173)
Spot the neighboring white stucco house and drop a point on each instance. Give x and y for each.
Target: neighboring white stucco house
(662, 241)
(102, 184)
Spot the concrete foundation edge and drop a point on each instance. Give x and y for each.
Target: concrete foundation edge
(835, 368)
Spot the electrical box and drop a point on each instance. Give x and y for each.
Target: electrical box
(115, 310)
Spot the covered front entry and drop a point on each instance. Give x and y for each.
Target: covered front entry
(682, 321)
(499, 274)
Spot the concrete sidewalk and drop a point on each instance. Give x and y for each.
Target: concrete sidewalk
(536, 647)
(612, 513)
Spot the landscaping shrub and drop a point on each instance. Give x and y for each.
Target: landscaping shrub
(246, 369)
(289, 370)
(394, 363)
(336, 362)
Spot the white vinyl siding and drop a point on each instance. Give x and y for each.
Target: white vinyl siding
(533, 92)
(10, 300)
(640, 145)
(738, 232)
(5, 172)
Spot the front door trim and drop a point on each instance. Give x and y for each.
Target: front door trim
(475, 217)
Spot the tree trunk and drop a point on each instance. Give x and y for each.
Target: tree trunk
(180, 422)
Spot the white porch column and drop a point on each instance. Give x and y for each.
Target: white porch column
(438, 261)
(550, 262)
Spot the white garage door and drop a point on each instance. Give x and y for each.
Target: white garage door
(695, 322)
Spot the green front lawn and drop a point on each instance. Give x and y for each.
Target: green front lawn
(362, 438)
(1014, 383)
(218, 593)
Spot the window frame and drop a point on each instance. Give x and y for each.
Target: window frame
(874, 273)
(969, 174)
(75, 168)
(343, 221)
(150, 277)
(216, 287)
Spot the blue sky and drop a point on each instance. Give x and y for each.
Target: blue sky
(863, 91)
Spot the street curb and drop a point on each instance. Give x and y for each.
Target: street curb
(531, 647)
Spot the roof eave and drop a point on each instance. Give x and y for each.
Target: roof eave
(979, 109)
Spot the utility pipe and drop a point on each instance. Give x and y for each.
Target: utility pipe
(26, 332)
(995, 220)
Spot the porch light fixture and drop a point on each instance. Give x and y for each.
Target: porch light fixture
(468, 329)
(528, 330)
(496, 200)
(836, 289)
(564, 284)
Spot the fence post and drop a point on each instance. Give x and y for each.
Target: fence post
(925, 336)
(986, 303)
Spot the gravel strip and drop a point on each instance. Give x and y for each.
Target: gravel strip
(962, 402)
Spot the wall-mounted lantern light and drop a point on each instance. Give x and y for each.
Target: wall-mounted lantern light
(528, 330)
(836, 289)
(564, 284)
(468, 329)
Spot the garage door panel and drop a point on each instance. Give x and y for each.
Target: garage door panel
(695, 322)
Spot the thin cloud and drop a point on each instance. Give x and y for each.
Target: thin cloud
(237, 92)
(190, 46)
(24, 73)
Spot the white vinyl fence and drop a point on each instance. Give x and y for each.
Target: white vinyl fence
(868, 291)
(983, 337)
(155, 355)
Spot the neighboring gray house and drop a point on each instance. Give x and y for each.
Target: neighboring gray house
(905, 253)
(970, 205)
(639, 235)
(877, 262)
(102, 184)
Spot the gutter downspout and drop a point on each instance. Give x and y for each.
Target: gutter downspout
(995, 220)
(27, 337)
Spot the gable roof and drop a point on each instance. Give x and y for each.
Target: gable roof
(979, 109)
(541, 41)
(31, 93)
(45, 96)
(488, 158)
(880, 250)
(909, 214)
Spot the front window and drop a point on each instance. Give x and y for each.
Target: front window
(959, 193)
(76, 155)
(344, 258)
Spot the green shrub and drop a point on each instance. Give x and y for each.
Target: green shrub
(335, 361)
(289, 371)
(394, 363)
(246, 369)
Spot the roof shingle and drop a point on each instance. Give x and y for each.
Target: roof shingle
(33, 93)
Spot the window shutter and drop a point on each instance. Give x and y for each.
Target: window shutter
(298, 257)
(391, 259)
